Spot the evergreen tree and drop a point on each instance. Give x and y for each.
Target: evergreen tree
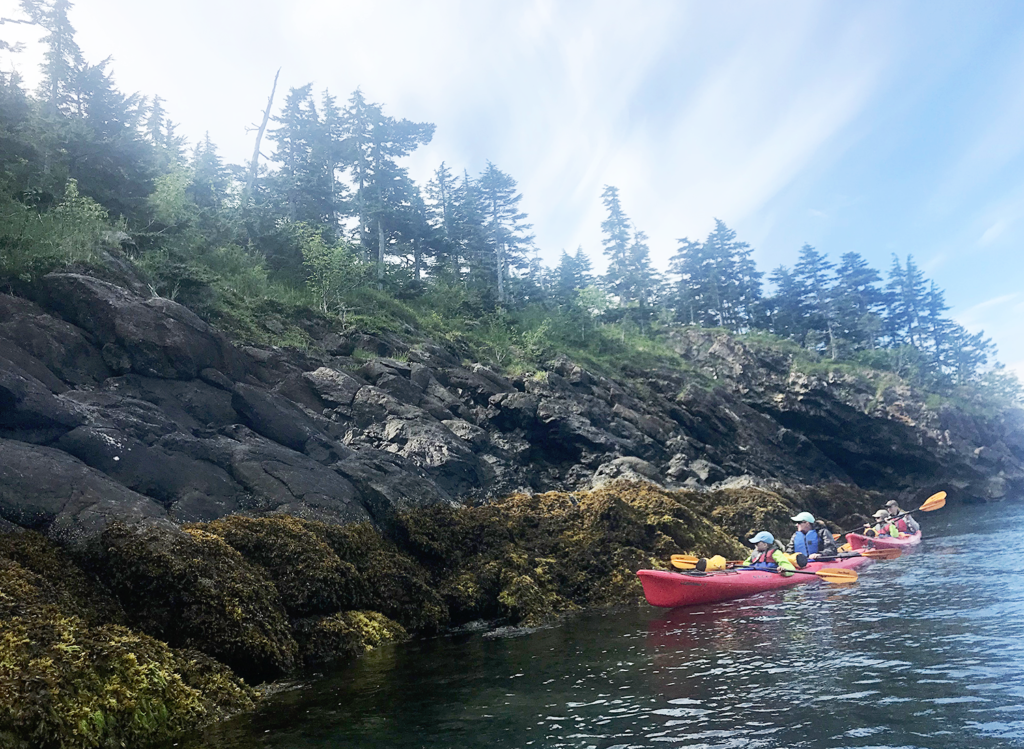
(788, 307)
(63, 61)
(617, 231)
(571, 275)
(505, 226)
(857, 301)
(384, 193)
(209, 183)
(906, 290)
(686, 297)
(813, 272)
(442, 193)
(935, 329)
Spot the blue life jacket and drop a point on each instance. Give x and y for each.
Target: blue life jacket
(806, 543)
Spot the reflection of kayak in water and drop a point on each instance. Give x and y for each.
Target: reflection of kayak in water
(671, 589)
(857, 541)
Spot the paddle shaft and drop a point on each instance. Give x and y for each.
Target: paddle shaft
(935, 502)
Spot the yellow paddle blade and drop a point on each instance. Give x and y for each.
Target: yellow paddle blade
(934, 502)
(837, 575)
(883, 554)
(845, 547)
(679, 565)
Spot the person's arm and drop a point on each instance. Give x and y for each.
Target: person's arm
(912, 525)
(783, 562)
(826, 544)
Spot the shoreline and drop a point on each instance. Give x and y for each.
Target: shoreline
(193, 617)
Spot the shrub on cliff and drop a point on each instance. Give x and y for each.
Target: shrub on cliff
(191, 589)
(67, 683)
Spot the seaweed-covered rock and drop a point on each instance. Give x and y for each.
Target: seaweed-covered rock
(58, 580)
(393, 582)
(66, 683)
(327, 639)
(191, 589)
(744, 512)
(309, 575)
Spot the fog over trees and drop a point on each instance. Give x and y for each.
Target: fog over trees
(327, 213)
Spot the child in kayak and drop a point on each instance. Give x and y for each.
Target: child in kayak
(766, 557)
(907, 521)
(813, 543)
(883, 526)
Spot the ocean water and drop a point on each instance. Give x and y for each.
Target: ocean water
(925, 651)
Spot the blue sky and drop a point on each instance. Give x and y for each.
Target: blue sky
(875, 127)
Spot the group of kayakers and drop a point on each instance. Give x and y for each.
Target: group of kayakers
(892, 521)
(813, 541)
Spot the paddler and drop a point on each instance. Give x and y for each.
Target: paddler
(906, 524)
(766, 557)
(812, 542)
(883, 526)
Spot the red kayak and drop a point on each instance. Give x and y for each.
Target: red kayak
(671, 589)
(857, 541)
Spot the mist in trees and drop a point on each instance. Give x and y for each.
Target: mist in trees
(327, 209)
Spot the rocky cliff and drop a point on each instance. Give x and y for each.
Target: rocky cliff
(178, 511)
(118, 404)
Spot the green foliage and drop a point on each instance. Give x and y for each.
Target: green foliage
(333, 271)
(33, 243)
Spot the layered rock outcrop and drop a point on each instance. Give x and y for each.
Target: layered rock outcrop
(115, 405)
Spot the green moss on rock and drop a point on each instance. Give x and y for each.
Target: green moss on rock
(191, 589)
(64, 584)
(309, 575)
(325, 640)
(394, 583)
(66, 683)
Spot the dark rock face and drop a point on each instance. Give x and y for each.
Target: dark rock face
(114, 405)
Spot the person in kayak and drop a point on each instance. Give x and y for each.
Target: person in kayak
(883, 526)
(906, 524)
(813, 543)
(766, 557)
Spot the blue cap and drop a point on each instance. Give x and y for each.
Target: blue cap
(765, 536)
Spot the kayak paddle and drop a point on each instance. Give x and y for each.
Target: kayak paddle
(883, 554)
(830, 575)
(935, 502)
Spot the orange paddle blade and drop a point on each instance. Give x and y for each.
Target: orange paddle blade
(883, 554)
(934, 502)
(837, 575)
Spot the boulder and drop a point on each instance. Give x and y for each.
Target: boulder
(154, 337)
(56, 494)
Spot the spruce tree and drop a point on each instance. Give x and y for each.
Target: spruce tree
(857, 301)
(617, 231)
(505, 226)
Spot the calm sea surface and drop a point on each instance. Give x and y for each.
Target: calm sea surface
(926, 651)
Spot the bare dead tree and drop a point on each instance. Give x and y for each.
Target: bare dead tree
(250, 183)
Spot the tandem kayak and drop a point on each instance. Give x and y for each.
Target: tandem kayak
(857, 541)
(671, 589)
